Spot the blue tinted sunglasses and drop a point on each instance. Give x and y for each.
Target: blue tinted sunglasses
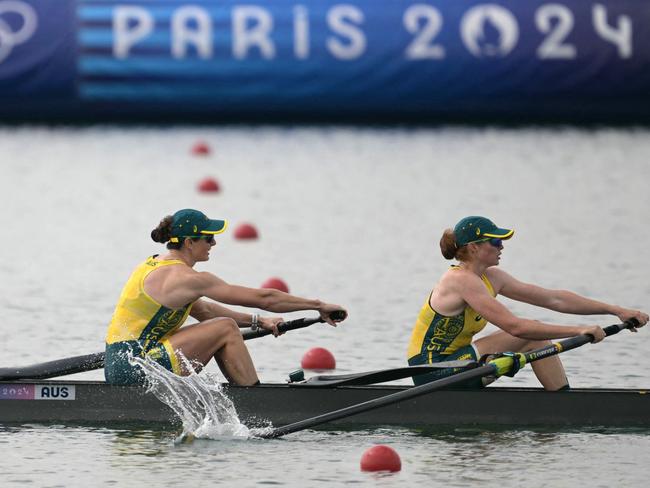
(498, 243)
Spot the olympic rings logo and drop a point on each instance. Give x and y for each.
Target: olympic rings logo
(10, 38)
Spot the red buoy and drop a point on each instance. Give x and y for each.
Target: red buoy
(276, 284)
(208, 185)
(246, 231)
(381, 458)
(200, 148)
(318, 358)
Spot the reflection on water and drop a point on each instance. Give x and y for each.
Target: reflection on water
(148, 443)
(464, 457)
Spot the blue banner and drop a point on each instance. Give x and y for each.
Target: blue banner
(214, 58)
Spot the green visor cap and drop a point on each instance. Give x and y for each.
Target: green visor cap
(474, 228)
(192, 223)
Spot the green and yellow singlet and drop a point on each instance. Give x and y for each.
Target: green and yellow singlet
(141, 326)
(436, 335)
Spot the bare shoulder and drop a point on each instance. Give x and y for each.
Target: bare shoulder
(199, 279)
(457, 280)
(177, 272)
(449, 297)
(166, 277)
(498, 277)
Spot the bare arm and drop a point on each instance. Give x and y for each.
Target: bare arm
(476, 295)
(194, 284)
(561, 300)
(205, 310)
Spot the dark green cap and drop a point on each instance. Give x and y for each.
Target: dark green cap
(474, 228)
(192, 223)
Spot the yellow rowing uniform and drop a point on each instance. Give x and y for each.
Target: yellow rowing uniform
(141, 326)
(437, 337)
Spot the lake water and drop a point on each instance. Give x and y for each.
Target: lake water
(347, 215)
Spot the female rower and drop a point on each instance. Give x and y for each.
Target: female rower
(164, 290)
(463, 301)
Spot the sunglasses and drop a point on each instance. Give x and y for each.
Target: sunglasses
(209, 238)
(498, 243)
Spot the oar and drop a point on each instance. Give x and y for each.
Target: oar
(496, 367)
(292, 325)
(59, 367)
(90, 362)
(381, 376)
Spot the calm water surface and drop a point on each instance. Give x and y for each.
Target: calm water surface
(346, 215)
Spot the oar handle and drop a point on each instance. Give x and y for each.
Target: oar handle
(293, 325)
(503, 365)
(616, 328)
(610, 330)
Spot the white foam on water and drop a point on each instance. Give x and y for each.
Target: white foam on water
(199, 401)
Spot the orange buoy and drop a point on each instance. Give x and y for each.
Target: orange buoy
(318, 358)
(200, 148)
(246, 231)
(276, 284)
(208, 185)
(381, 458)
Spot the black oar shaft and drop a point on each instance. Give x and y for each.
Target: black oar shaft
(283, 327)
(382, 401)
(574, 342)
(59, 367)
(381, 376)
(90, 362)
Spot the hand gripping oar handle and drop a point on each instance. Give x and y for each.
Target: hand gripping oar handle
(558, 347)
(90, 362)
(496, 367)
(293, 325)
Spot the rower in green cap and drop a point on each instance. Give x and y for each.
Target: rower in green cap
(464, 301)
(164, 290)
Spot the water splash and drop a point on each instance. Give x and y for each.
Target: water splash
(199, 401)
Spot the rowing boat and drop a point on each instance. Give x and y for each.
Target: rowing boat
(94, 402)
(27, 396)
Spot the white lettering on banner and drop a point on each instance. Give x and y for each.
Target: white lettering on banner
(54, 392)
(336, 20)
(301, 32)
(421, 47)
(489, 30)
(125, 36)
(553, 47)
(10, 38)
(621, 37)
(245, 38)
(183, 35)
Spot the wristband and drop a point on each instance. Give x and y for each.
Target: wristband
(255, 321)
